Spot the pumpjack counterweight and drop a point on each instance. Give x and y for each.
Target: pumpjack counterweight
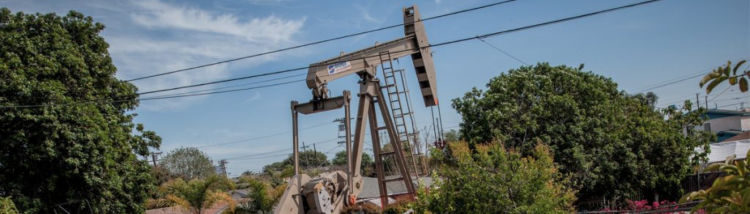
(329, 192)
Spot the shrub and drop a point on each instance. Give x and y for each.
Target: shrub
(728, 194)
(491, 179)
(361, 209)
(7, 206)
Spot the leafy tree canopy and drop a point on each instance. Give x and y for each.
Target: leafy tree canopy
(263, 196)
(188, 163)
(609, 142)
(491, 179)
(307, 159)
(197, 195)
(79, 143)
(340, 159)
(452, 135)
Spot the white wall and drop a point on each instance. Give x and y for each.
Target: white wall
(729, 123)
(745, 123)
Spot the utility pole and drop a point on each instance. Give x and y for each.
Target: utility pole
(440, 114)
(434, 128)
(315, 154)
(153, 157)
(705, 98)
(697, 100)
(223, 166)
(304, 148)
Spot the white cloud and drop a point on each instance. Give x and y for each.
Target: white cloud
(166, 37)
(265, 29)
(255, 97)
(366, 14)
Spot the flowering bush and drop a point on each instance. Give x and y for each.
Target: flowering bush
(644, 205)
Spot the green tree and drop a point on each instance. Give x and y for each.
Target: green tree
(452, 135)
(76, 140)
(340, 160)
(7, 206)
(263, 196)
(307, 159)
(721, 74)
(197, 195)
(611, 143)
(491, 179)
(188, 163)
(161, 175)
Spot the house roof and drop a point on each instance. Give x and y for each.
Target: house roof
(739, 136)
(719, 113)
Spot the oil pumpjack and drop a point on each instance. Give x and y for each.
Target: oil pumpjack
(329, 192)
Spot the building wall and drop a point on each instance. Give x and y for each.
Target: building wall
(729, 123)
(745, 123)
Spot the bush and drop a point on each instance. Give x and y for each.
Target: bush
(361, 209)
(728, 194)
(7, 206)
(400, 207)
(643, 205)
(491, 179)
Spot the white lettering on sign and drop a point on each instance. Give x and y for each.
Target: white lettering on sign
(338, 67)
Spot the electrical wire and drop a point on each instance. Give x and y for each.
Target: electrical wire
(725, 90)
(700, 73)
(729, 105)
(434, 45)
(363, 58)
(506, 53)
(547, 23)
(670, 82)
(322, 41)
(219, 92)
(262, 137)
(244, 84)
(268, 155)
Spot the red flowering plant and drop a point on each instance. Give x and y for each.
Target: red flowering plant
(643, 205)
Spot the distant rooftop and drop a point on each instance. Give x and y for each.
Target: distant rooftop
(744, 112)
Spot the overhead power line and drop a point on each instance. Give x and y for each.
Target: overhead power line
(269, 154)
(547, 23)
(143, 99)
(322, 41)
(262, 137)
(722, 92)
(433, 45)
(506, 53)
(675, 81)
(498, 33)
(219, 92)
(729, 105)
(239, 85)
(648, 88)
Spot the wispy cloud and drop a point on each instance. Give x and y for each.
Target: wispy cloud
(168, 37)
(255, 97)
(264, 29)
(366, 14)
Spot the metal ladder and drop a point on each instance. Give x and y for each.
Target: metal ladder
(395, 89)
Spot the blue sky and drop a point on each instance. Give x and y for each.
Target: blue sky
(637, 47)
